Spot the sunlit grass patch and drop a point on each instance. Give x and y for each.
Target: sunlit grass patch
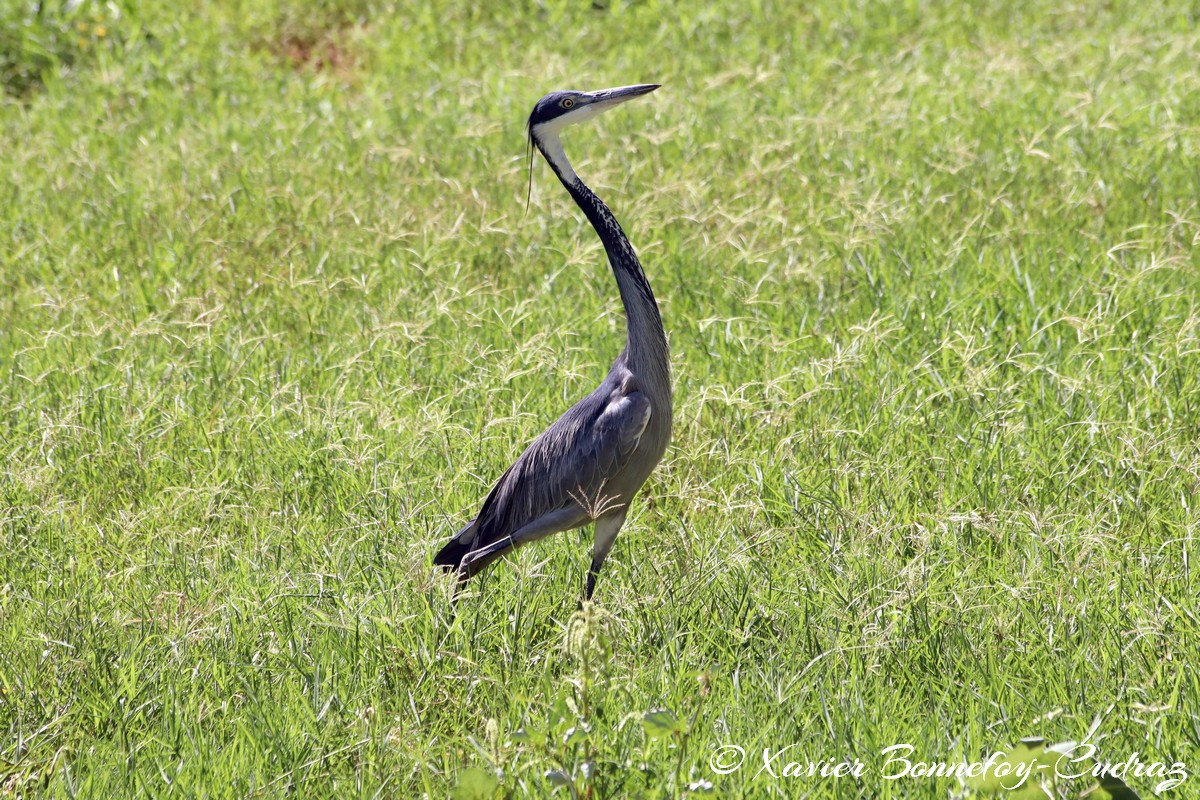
(272, 325)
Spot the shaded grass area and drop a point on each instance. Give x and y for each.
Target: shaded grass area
(272, 325)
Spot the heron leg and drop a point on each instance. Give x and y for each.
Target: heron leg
(607, 528)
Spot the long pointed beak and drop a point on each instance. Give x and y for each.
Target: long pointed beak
(607, 98)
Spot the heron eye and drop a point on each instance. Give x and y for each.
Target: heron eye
(567, 103)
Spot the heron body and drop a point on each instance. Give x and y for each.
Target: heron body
(588, 465)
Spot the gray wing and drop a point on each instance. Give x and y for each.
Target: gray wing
(570, 463)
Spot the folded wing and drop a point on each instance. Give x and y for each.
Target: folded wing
(563, 471)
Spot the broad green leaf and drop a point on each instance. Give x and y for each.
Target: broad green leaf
(476, 784)
(1016, 772)
(558, 777)
(1110, 787)
(660, 722)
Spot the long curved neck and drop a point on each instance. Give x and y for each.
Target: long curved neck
(647, 341)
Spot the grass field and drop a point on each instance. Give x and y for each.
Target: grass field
(273, 318)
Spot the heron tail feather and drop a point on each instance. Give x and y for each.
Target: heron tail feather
(451, 555)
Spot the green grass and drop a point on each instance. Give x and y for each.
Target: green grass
(274, 318)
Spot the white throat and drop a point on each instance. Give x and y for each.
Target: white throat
(552, 149)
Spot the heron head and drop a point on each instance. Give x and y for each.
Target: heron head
(557, 110)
